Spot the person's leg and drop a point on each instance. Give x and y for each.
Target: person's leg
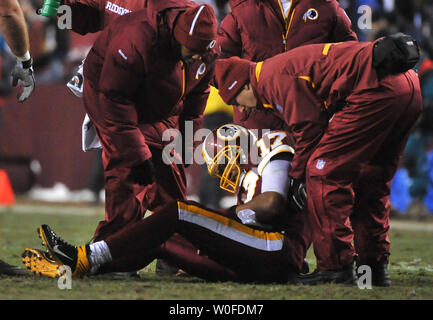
(169, 185)
(176, 251)
(354, 136)
(370, 218)
(121, 204)
(237, 251)
(126, 202)
(11, 270)
(298, 231)
(96, 182)
(254, 255)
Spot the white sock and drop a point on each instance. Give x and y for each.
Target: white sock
(99, 254)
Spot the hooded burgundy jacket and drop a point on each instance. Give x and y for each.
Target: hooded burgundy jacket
(257, 29)
(306, 85)
(146, 88)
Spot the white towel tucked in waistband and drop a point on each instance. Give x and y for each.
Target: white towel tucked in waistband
(90, 140)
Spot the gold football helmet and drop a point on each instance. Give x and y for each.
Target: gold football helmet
(226, 152)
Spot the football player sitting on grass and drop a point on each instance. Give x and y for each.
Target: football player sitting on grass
(263, 239)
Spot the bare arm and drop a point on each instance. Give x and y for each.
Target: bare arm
(13, 27)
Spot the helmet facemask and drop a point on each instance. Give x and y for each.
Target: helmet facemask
(227, 162)
(231, 145)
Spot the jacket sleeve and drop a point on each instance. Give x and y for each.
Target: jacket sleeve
(193, 112)
(121, 76)
(228, 38)
(307, 121)
(343, 26)
(87, 15)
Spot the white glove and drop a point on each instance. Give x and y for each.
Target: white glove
(24, 73)
(89, 137)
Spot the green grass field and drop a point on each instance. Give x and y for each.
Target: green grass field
(411, 266)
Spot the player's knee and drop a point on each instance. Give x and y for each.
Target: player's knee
(169, 210)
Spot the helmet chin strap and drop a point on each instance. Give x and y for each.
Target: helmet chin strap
(241, 178)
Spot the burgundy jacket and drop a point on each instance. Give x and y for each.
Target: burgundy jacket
(306, 85)
(257, 30)
(94, 15)
(145, 87)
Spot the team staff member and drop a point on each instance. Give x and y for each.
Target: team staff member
(14, 30)
(257, 30)
(145, 68)
(95, 15)
(345, 109)
(90, 16)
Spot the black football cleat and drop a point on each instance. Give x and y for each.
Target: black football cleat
(10, 270)
(64, 253)
(380, 275)
(345, 275)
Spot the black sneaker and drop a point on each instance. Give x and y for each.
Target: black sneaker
(64, 253)
(380, 275)
(345, 275)
(10, 270)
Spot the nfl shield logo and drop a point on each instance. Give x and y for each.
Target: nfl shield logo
(320, 164)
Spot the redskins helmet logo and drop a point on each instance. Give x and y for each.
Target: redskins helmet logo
(311, 14)
(228, 132)
(201, 70)
(211, 45)
(226, 155)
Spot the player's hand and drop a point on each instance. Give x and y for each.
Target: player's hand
(297, 195)
(143, 173)
(23, 72)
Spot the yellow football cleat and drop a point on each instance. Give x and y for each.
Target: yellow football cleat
(64, 253)
(40, 263)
